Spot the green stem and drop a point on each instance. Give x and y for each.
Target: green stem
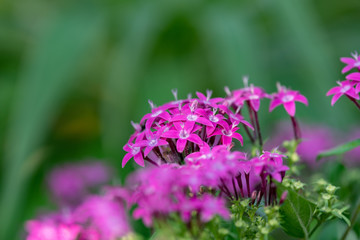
(353, 219)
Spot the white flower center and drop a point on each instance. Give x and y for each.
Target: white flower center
(135, 150)
(183, 134)
(213, 118)
(153, 142)
(287, 98)
(227, 133)
(254, 97)
(357, 64)
(192, 117)
(345, 89)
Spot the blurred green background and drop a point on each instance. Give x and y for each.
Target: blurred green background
(74, 73)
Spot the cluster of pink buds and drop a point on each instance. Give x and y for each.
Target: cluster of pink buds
(351, 86)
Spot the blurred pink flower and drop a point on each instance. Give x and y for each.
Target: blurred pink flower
(315, 139)
(70, 183)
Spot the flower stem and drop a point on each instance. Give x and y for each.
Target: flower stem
(354, 101)
(258, 129)
(353, 219)
(296, 128)
(251, 115)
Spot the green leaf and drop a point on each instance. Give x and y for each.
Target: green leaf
(340, 149)
(296, 214)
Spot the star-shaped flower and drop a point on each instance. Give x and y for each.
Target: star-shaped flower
(344, 88)
(288, 99)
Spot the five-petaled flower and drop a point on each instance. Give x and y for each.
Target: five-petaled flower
(288, 99)
(351, 62)
(344, 88)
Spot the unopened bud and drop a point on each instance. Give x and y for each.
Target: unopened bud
(283, 197)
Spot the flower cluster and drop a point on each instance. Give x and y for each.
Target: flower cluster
(351, 86)
(97, 218)
(202, 185)
(172, 131)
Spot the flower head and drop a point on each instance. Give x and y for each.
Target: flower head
(351, 62)
(344, 88)
(287, 98)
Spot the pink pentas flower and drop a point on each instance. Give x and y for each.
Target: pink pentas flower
(105, 215)
(152, 140)
(253, 95)
(270, 164)
(190, 114)
(211, 206)
(227, 133)
(133, 152)
(351, 62)
(287, 98)
(183, 132)
(207, 99)
(70, 183)
(344, 88)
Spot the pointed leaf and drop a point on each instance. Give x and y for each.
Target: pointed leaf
(340, 149)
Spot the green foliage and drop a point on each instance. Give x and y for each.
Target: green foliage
(339, 150)
(297, 214)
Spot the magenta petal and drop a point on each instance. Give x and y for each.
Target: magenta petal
(149, 122)
(170, 134)
(346, 68)
(238, 137)
(247, 124)
(195, 139)
(165, 115)
(178, 118)
(189, 125)
(126, 158)
(277, 176)
(147, 150)
(200, 95)
(357, 89)
(139, 159)
(301, 98)
(204, 121)
(347, 60)
(335, 98)
(255, 103)
(290, 108)
(274, 103)
(226, 140)
(353, 76)
(333, 90)
(162, 142)
(352, 93)
(180, 145)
